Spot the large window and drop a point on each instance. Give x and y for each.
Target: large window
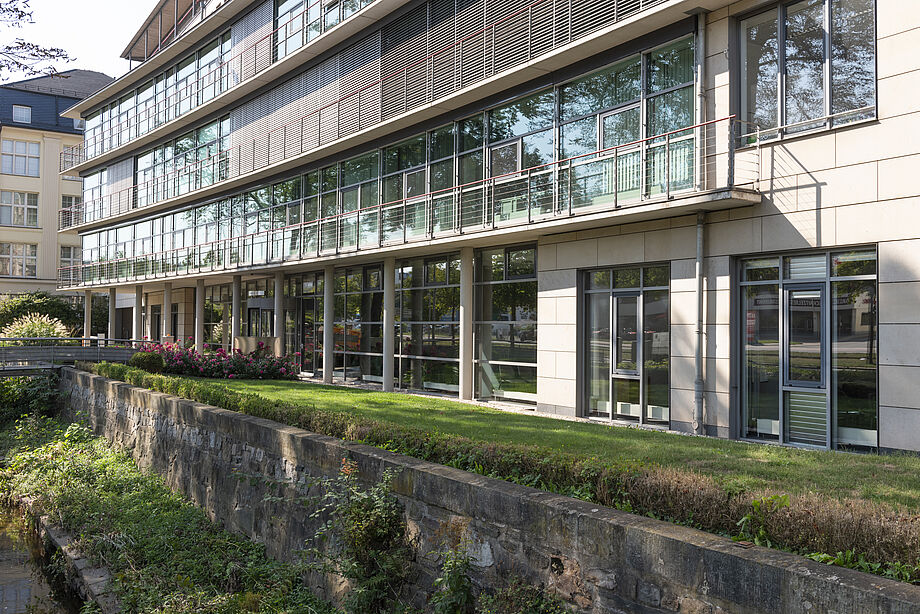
(70, 256)
(810, 349)
(18, 209)
(806, 65)
(428, 321)
(627, 344)
(20, 158)
(358, 324)
(18, 260)
(506, 324)
(217, 316)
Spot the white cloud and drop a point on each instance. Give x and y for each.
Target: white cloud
(95, 32)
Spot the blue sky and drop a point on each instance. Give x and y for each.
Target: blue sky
(93, 31)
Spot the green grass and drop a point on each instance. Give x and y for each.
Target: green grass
(891, 479)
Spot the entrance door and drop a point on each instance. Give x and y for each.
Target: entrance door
(806, 412)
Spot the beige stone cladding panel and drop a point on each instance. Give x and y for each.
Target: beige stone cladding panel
(898, 428)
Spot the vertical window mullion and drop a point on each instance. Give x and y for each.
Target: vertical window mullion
(781, 73)
(828, 94)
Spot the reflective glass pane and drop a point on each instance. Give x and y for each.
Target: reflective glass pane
(626, 398)
(805, 53)
(598, 358)
(806, 336)
(759, 71)
(627, 325)
(504, 159)
(761, 269)
(656, 354)
(848, 264)
(760, 361)
(855, 362)
(578, 138)
(621, 127)
(853, 58)
(607, 88)
(522, 116)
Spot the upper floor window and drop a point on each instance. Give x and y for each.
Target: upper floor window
(808, 64)
(68, 201)
(19, 158)
(70, 256)
(22, 114)
(18, 259)
(18, 209)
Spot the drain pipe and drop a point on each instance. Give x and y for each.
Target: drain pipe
(698, 383)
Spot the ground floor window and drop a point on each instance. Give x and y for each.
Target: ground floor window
(358, 324)
(506, 323)
(428, 323)
(628, 344)
(809, 349)
(304, 323)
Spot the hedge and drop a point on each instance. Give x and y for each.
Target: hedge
(810, 524)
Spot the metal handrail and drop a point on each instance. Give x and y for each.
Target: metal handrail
(21, 351)
(472, 207)
(77, 154)
(221, 163)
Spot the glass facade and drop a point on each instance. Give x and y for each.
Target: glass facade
(217, 303)
(627, 344)
(506, 324)
(477, 173)
(810, 349)
(304, 321)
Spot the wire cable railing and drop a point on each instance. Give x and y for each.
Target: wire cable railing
(661, 168)
(25, 351)
(304, 134)
(220, 77)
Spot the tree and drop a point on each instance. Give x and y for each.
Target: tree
(15, 307)
(21, 56)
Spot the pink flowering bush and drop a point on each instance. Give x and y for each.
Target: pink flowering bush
(260, 364)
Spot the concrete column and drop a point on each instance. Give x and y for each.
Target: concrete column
(236, 302)
(137, 330)
(199, 316)
(279, 311)
(389, 322)
(87, 314)
(113, 305)
(466, 323)
(167, 310)
(328, 317)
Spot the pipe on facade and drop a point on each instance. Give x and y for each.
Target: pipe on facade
(700, 338)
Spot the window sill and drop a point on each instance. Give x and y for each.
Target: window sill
(807, 133)
(15, 227)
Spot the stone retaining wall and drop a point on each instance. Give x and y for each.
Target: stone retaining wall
(599, 559)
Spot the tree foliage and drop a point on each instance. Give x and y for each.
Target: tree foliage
(15, 307)
(21, 56)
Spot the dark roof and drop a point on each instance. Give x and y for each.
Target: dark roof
(76, 84)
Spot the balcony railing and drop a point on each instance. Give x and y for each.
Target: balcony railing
(411, 86)
(304, 27)
(689, 161)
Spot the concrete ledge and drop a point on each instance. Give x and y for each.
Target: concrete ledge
(600, 560)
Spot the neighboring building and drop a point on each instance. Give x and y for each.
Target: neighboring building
(32, 192)
(696, 215)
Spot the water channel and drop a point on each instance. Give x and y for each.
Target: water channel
(24, 586)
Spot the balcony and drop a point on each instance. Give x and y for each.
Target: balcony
(695, 168)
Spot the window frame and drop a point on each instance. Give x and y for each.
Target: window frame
(827, 122)
(22, 108)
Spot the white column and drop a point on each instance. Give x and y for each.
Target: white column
(235, 307)
(137, 331)
(113, 305)
(279, 311)
(199, 316)
(389, 322)
(166, 310)
(466, 323)
(87, 314)
(328, 317)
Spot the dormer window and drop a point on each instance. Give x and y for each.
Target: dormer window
(22, 114)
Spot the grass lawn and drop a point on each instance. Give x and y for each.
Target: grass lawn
(893, 479)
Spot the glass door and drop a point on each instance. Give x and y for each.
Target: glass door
(625, 381)
(806, 413)
(308, 360)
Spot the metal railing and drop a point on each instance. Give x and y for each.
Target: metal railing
(25, 351)
(312, 130)
(301, 29)
(691, 160)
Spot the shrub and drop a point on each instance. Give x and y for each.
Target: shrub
(34, 325)
(14, 307)
(148, 361)
(36, 395)
(259, 364)
(808, 524)
(520, 597)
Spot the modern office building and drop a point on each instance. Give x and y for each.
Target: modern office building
(32, 191)
(689, 214)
